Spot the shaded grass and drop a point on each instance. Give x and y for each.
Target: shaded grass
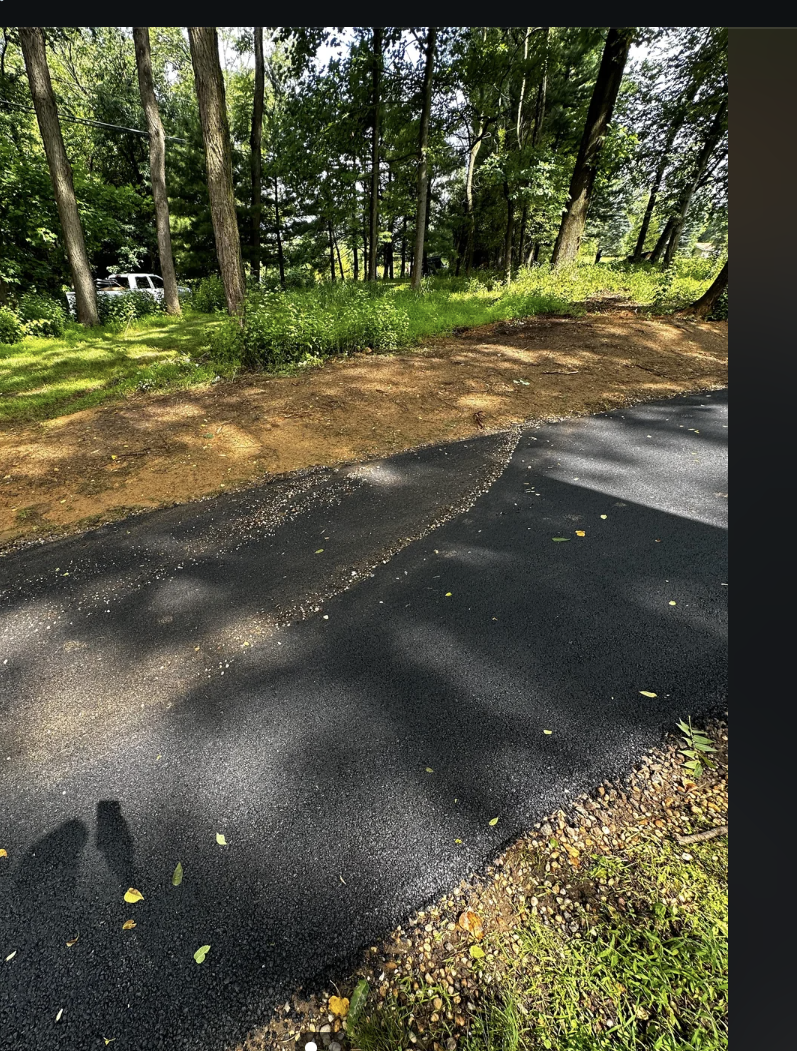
(647, 973)
(42, 378)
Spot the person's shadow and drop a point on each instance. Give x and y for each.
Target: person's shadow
(114, 840)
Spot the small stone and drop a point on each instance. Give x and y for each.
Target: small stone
(334, 1046)
(325, 1028)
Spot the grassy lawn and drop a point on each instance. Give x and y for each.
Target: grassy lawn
(42, 378)
(45, 377)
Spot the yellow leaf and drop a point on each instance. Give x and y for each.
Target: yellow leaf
(493, 821)
(429, 770)
(222, 842)
(112, 456)
(672, 603)
(132, 895)
(457, 840)
(604, 516)
(72, 941)
(109, 1040)
(128, 925)
(448, 594)
(472, 923)
(3, 852)
(547, 731)
(201, 953)
(320, 551)
(476, 952)
(581, 532)
(339, 1005)
(11, 955)
(647, 693)
(177, 875)
(58, 1016)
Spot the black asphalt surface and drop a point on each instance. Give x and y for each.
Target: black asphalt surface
(283, 665)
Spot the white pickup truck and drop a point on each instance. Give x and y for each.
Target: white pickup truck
(118, 284)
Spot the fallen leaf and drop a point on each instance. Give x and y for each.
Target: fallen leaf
(201, 953)
(581, 532)
(647, 693)
(672, 603)
(339, 1005)
(604, 516)
(358, 998)
(547, 731)
(560, 539)
(109, 1040)
(128, 925)
(320, 551)
(457, 840)
(493, 821)
(448, 594)
(3, 852)
(58, 1016)
(11, 955)
(222, 842)
(177, 875)
(472, 923)
(132, 895)
(476, 952)
(112, 456)
(72, 941)
(429, 770)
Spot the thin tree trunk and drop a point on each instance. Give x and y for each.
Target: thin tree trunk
(366, 255)
(425, 260)
(423, 149)
(331, 252)
(542, 91)
(663, 241)
(654, 190)
(403, 247)
(204, 45)
(356, 258)
(712, 138)
(705, 305)
(376, 79)
(280, 254)
(157, 166)
(522, 236)
(32, 40)
(509, 234)
(519, 127)
(340, 261)
(470, 218)
(601, 108)
(255, 142)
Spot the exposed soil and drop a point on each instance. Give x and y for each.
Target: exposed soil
(67, 474)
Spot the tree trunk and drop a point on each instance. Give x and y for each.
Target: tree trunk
(542, 90)
(356, 258)
(340, 261)
(470, 218)
(423, 148)
(601, 107)
(704, 306)
(425, 258)
(509, 234)
(712, 138)
(280, 254)
(663, 241)
(403, 247)
(376, 78)
(255, 142)
(216, 134)
(331, 252)
(32, 40)
(519, 125)
(157, 167)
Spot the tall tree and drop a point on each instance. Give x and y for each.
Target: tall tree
(601, 107)
(32, 42)
(255, 142)
(704, 306)
(423, 163)
(157, 166)
(376, 79)
(204, 44)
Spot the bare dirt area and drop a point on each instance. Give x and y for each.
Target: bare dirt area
(67, 474)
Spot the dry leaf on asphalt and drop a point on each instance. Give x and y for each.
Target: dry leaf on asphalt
(547, 731)
(647, 693)
(128, 925)
(58, 1016)
(3, 852)
(222, 842)
(72, 941)
(339, 1005)
(11, 955)
(472, 923)
(177, 875)
(132, 895)
(581, 532)
(201, 953)
(493, 821)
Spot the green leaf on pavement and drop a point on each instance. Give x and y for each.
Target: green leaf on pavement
(201, 953)
(177, 875)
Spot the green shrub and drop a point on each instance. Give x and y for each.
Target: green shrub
(123, 307)
(41, 315)
(208, 297)
(10, 328)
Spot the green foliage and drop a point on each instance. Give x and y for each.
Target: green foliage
(10, 327)
(208, 296)
(121, 308)
(41, 315)
(697, 748)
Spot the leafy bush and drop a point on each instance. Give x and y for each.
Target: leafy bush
(124, 307)
(208, 297)
(41, 315)
(10, 328)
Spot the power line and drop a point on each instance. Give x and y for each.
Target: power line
(93, 123)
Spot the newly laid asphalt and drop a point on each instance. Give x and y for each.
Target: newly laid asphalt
(343, 673)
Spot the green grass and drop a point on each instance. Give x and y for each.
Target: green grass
(44, 378)
(648, 974)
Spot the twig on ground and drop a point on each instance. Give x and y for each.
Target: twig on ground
(701, 837)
